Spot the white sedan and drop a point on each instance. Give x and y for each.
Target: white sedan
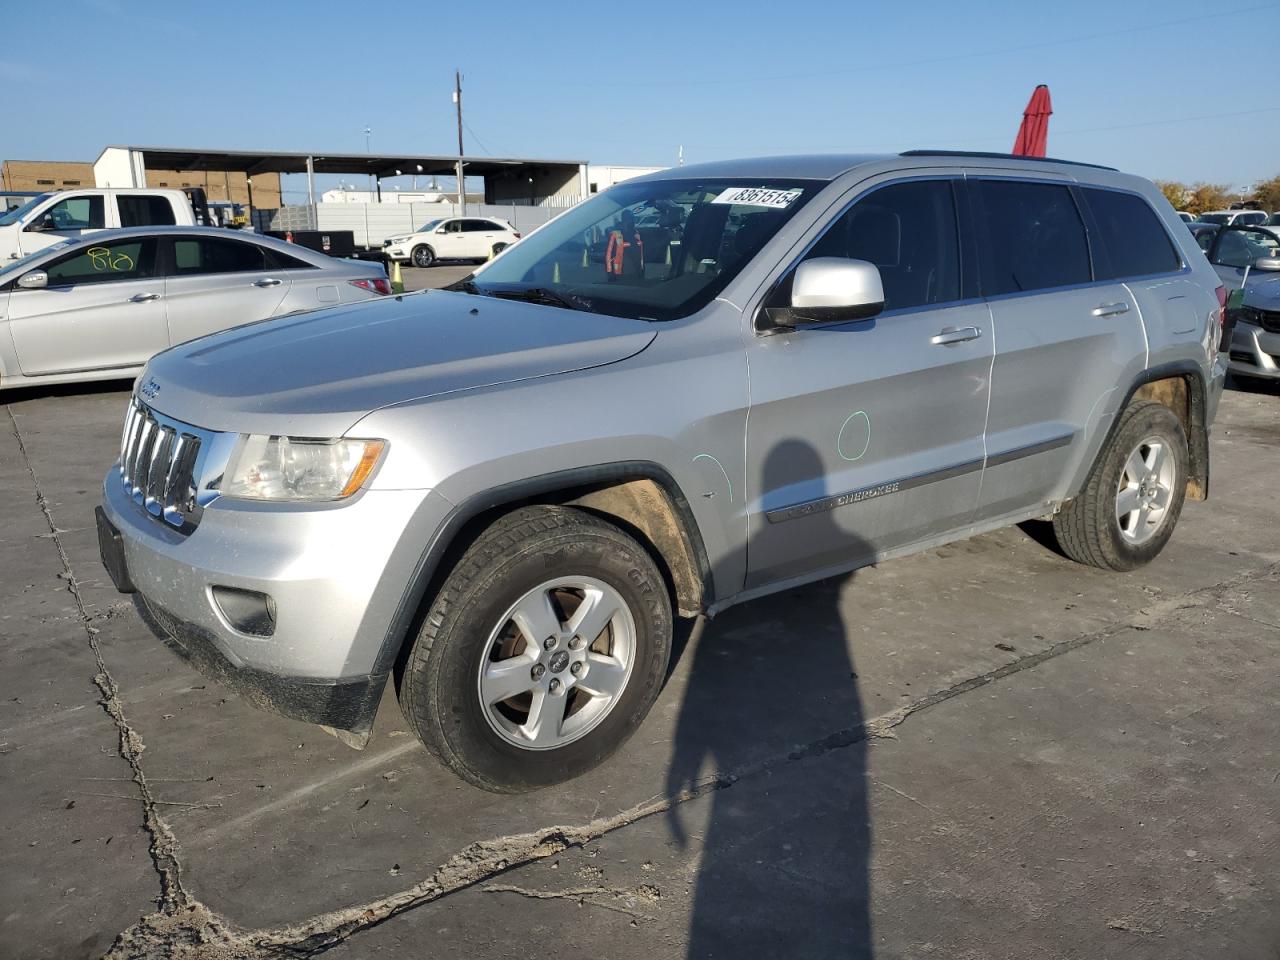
(453, 238)
(99, 307)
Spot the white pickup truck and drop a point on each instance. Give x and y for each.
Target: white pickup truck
(51, 217)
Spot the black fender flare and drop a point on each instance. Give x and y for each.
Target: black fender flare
(514, 492)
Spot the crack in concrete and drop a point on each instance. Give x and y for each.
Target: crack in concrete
(588, 895)
(183, 928)
(174, 898)
(202, 935)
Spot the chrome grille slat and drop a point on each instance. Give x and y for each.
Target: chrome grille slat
(159, 460)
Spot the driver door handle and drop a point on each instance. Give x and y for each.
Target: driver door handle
(144, 297)
(956, 335)
(267, 282)
(1110, 309)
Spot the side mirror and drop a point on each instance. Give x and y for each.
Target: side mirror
(833, 288)
(1267, 264)
(35, 280)
(441, 230)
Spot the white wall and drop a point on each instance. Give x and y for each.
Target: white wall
(602, 176)
(119, 167)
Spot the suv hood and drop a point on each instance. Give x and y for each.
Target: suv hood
(316, 374)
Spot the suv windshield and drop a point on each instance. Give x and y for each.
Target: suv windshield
(650, 250)
(17, 213)
(429, 226)
(1219, 218)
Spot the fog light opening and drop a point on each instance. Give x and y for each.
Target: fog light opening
(248, 611)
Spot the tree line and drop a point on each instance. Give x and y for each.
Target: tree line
(1196, 198)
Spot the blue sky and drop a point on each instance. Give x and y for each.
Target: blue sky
(1158, 89)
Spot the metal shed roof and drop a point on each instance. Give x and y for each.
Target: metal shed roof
(253, 162)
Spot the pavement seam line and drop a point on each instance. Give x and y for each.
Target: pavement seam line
(156, 936)
(163, 847)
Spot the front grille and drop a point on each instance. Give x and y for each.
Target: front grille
(1268, 320)
(158, 460)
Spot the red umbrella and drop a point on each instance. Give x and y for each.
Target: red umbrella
(1033, 135)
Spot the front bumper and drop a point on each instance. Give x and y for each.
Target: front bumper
(396, 252)
(1254, 352)
(337, 574)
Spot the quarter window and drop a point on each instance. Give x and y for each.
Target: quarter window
(130, 259)
(196, 256)
(144, 211)
(1034, 237)
(1136, 243)
(75, 213)
(909, 231)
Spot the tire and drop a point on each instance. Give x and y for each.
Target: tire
(422, 256)
(1094, 528)
(470, 631)
(498, 248)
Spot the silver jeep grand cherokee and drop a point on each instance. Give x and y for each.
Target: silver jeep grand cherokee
(699, 387)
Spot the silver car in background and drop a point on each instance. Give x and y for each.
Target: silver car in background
(99, 307)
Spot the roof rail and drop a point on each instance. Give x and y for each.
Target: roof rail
(983, 155)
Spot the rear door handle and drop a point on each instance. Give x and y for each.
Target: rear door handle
(956, 335)
(144, 297)
(1110, 309)
(267, 282)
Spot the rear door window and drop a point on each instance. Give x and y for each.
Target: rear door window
(909, 231)
(144, 211)
(478, 226)
(195, 256)
(1134, 241)
(1032, 237)
(133, 258)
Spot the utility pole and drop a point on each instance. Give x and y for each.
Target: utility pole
(457, 100)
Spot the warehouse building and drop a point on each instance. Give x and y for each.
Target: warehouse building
(41, 176)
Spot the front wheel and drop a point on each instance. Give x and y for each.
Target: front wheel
(542, 652)
(423, 256)
(1133, 496)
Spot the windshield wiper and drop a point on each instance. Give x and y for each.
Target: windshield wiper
(542, 295)
(465, 285)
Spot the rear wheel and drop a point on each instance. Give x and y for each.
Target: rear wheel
(1133, 496)
(498, 248)
(423, 256)
(542, 652)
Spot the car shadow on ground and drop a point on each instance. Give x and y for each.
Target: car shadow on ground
(758, 846)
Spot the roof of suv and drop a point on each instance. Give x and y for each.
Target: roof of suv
(829, 166)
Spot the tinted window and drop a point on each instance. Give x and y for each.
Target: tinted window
(129, 259)
(1218, 218)
(1204, 239)
(144, 211)
(478, 226)
(192, 256)
(908, 230)
(1251, 219)
(1136, 243)
(1035, 238)
(76, 213)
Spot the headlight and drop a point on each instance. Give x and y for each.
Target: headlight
(287, 468)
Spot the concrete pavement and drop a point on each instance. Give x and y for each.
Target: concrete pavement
(981, 751)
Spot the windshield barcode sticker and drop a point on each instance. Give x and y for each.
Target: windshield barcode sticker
(758, 197)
